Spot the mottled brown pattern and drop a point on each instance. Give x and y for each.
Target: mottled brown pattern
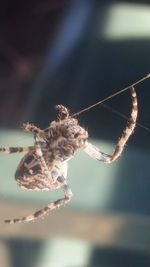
(130, 127)
(44, 166)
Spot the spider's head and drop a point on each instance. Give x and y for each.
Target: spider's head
(70, 128)
(74, 132)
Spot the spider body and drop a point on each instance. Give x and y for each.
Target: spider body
(44, 166)
(56, 151)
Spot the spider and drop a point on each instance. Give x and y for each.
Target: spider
(44, 166)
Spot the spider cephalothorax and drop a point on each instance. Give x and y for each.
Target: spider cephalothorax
(66, 132)
(44, 166)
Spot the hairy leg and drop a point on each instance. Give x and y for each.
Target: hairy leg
(41, 160)
(10, 150)
(51, 206)
(95, 153)
(34, 130)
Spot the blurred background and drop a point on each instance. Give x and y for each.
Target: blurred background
(76, 52)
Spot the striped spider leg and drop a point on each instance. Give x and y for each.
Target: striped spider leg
(44, 166)
(42, 183)
(95, 153)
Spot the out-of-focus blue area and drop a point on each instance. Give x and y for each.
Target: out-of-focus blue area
(76, 53)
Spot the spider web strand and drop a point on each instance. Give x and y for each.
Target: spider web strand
(111, 96)
(123, 116)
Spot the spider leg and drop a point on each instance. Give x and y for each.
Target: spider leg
(16, 149)
(37, 147)
(95, 153)
(51, 206)
(40, 158)
(34, 130)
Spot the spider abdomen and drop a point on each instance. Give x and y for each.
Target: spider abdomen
(29, 174)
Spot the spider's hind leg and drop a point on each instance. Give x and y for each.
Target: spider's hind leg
(51, 206)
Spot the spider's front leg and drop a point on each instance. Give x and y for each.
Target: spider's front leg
(29, 128)
(11, 150)
(37, 132)
(95, 153)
